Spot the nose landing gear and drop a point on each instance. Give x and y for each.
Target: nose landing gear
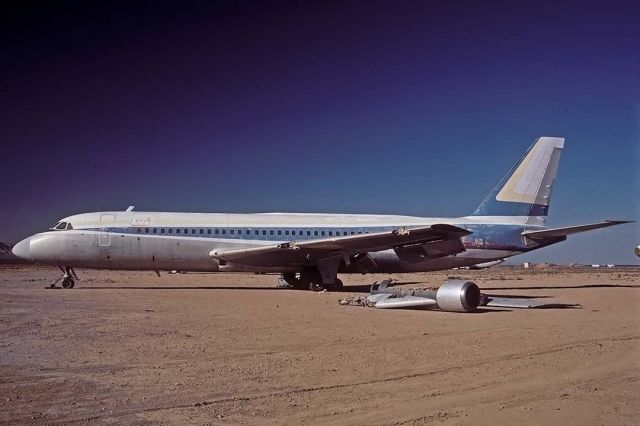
(68, 283)
(68, 275)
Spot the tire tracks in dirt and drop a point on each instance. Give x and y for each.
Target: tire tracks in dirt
(306, 390)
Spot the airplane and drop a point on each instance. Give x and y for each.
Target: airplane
(310, 250)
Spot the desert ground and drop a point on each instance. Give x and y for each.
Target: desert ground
(134, 348)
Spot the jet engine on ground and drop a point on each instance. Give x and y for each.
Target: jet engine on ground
(451, 296)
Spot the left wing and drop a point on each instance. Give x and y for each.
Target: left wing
(432, 241)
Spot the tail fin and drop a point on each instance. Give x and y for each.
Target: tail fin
(524, 193)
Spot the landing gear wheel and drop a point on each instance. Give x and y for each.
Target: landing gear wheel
(68, 283)
(288, 280)
(316, 285)
(337, 286)
(312, 280)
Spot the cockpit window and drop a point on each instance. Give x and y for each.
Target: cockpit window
(61, 226)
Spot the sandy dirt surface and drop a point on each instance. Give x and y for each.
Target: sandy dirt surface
(232, 349)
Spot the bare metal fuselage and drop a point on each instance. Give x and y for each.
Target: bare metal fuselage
(184, 241)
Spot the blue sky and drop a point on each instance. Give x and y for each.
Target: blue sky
(358, 107)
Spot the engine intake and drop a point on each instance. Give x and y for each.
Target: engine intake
(458, 296)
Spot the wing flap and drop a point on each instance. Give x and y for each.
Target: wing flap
(519, 303)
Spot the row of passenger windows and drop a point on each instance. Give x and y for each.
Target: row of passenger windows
(201, 231)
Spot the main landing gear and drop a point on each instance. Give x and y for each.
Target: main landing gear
(68, 275)
(308, 280)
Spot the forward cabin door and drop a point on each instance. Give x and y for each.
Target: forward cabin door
(106, 223)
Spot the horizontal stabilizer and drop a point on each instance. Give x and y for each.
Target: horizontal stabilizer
(563, 232)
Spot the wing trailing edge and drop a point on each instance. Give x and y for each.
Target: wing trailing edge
(309, 252)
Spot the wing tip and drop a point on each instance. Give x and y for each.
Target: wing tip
(619, 221)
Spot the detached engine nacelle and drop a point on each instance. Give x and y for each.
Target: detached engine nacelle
(451, 296)
(458, 296)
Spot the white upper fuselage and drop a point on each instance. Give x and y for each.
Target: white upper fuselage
(183, 241)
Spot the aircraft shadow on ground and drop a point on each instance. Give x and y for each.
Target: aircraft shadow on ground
(176, 288)
(516, 296)
(556, 287)
(364, 288)
(349, 289)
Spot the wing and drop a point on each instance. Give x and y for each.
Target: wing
(563, 232)
(434, 240)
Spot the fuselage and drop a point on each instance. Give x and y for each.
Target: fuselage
(183, 241)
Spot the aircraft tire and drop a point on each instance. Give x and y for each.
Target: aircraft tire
(316, 286)
(312, 280)
(68, 283)
(291, 279)
(337, 286)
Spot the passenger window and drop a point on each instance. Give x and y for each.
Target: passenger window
(286, 232)
(308, 232)
(202, 231)
(217, 231)
(171, 230)
(231, 231)
(353, 233)
(279, 232)
(271, 232)
(139, 230)
(330, 233)
(162, 230)
(224, 232)
(337, 233)
(155, 230)
(146, 230)
(322, 233)
(264, 232)
(315, 233)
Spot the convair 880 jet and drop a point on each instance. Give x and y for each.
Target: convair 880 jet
(309, 250)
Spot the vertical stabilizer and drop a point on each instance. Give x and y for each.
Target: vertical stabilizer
(524, 194)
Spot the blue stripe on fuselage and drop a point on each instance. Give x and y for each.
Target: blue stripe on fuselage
(484, 236)
(504, 208)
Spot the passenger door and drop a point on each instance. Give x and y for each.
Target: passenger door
(106, 223)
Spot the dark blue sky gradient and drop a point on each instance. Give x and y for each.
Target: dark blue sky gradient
(358, 107)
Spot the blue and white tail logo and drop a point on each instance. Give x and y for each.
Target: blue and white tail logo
(524, 194)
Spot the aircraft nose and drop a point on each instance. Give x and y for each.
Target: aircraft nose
(23, 249)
